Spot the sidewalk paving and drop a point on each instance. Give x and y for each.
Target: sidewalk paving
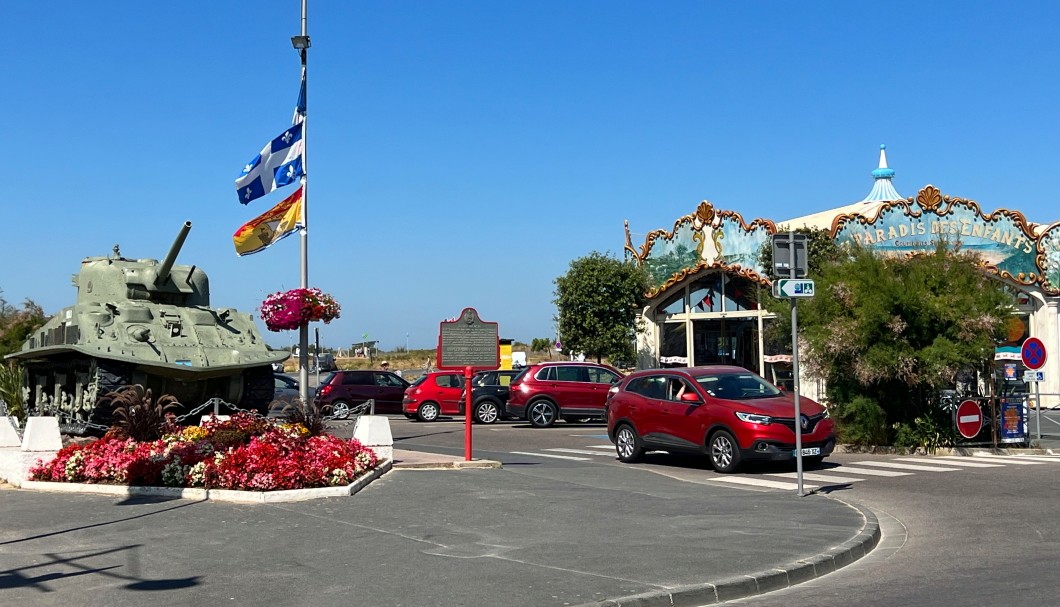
(436, 530)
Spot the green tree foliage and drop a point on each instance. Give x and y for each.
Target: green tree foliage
(597, 302)
(895, 331)
(17, 325)
(541, 344)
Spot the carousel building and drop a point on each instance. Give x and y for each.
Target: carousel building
(706, 274)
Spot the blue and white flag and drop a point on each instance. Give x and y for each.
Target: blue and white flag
(299, 106)
(278, 164)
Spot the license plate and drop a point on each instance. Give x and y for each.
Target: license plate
(808, 451)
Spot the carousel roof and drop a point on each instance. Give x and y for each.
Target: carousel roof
(882, 191)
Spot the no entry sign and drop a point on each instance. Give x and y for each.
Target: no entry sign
(969, 419)
(1033, 353)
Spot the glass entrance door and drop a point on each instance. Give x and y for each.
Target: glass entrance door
(725, 341)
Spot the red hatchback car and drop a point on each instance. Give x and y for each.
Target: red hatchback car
(729, 413)
(433, 394)
(569, 390)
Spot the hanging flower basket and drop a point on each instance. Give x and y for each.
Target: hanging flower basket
(288, 310)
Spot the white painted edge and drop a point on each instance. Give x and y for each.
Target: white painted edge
(217, 495)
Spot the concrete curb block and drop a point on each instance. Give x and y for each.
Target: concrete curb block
(454, 465)
(764, 581)
(215, 495)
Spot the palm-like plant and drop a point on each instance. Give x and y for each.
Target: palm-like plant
(136, 414)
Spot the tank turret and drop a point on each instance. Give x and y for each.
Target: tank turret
(141, 321)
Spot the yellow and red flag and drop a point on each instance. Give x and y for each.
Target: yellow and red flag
(277, 223)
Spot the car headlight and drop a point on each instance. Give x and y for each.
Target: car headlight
(754, 418)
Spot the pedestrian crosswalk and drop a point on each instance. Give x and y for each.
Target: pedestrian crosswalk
(856, 471)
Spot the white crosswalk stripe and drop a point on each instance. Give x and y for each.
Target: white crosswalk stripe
(901, 466)
(951, 462)
(753, 481)
(607, 447)
(868, 471)
(814, 476)
(577, 451)
(570, 457)
(1005, 459)
(1045, 459)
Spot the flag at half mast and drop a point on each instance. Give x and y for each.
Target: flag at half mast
(275, 224)
(280, 162)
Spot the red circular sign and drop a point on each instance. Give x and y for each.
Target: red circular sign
(969, 419)
(1033, 353)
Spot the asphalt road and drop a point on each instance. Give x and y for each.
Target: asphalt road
(963, 531)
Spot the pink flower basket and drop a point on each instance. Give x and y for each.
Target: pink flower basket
(289, 310)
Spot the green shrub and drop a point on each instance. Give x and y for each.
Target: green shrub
(862, 421)
(11, 389)
(930, 431)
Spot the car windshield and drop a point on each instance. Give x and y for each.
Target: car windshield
(737, 386)
(419, 380)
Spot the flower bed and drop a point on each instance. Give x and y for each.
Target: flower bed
(289, 310)
(243, 453)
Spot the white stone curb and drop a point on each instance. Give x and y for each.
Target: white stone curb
(216, 495)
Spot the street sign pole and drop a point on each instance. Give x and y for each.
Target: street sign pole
(795, 385)
(1033, 354)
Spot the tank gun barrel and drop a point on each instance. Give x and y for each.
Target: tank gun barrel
(171, 257)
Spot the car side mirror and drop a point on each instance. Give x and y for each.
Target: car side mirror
(691, 397)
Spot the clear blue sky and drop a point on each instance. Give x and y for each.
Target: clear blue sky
(463, 153)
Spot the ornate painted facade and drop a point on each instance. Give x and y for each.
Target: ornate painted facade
(702, 266)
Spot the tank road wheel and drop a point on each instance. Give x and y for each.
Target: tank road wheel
(541, 414)
(428, 412)
(259, 389)
(110, 377)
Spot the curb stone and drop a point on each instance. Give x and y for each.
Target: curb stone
(761, 582)
(215, 495)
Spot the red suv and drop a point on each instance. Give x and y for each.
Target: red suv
(728, 413)
(433, 394)
(569, 390)
(342, 390)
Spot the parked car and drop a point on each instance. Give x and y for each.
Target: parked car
(286, 388)
(572, 391)
(343, 390)
(433, 394)
(728, 413)
(489, 394)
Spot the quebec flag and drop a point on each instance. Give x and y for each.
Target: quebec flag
(278, 164)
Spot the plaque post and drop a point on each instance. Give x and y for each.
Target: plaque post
(467, 413)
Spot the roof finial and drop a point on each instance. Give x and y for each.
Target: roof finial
(882, 189)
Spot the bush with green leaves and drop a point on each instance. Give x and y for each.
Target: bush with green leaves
(898, 330)
(862, 421)
(11, 389)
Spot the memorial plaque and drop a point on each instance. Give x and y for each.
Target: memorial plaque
(468, 341)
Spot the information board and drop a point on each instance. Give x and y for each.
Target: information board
(468, 341)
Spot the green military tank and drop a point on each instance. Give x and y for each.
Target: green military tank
(141, 321)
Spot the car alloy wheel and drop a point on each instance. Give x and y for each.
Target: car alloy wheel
(340, 409)
(487, 412)
(628, 444)
(428, 412)
(541, 414)
(724, 452)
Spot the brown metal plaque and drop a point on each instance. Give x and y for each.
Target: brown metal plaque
(468, 341)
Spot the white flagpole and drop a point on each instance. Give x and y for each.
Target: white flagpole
(301, 43)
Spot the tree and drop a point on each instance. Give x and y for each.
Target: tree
(15, 327)
(597, 302)
(893, 331)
